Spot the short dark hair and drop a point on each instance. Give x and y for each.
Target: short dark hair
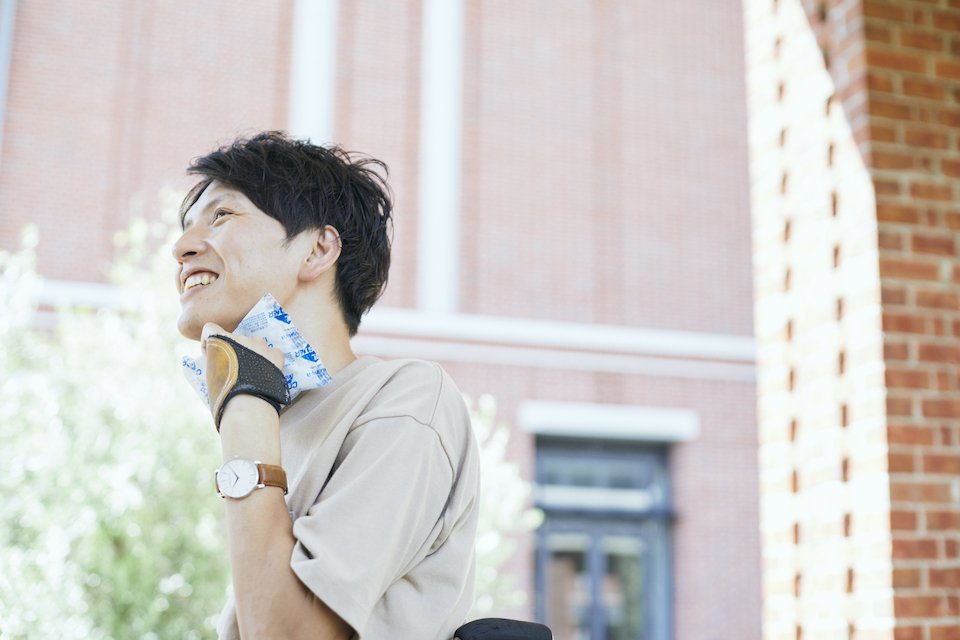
(304, 187)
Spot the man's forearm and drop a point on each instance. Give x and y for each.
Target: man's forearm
(271, 600)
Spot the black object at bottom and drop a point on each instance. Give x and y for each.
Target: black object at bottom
(503, 629)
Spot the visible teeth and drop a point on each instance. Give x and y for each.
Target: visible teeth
(197, 280)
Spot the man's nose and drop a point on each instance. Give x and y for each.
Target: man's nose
(190, 243)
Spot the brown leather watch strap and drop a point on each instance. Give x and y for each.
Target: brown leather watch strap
(273, 476)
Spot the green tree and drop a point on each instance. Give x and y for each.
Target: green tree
(504, 514)
(108, 515)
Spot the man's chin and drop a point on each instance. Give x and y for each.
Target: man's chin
(191, 326)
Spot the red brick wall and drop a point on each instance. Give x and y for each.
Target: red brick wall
(913, 58)
(605, 170)
(605, 180)
(377, 112)
(107, 103)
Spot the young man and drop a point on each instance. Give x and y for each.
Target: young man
(374, 537)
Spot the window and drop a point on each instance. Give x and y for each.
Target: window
(603, 556)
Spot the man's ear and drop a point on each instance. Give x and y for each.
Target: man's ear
(324, 252)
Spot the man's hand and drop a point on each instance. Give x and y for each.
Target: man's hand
(258, 346)
(236, 369)
(249, 426)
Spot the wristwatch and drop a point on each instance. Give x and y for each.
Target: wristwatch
(238, 478)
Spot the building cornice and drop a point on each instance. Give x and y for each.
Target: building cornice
(514, 342)
(533, 332)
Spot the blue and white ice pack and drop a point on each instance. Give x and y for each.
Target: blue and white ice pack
(267, 320)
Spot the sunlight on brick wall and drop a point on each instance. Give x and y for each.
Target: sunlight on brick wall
(824, 485)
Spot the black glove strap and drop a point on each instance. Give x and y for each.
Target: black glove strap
(232, 369)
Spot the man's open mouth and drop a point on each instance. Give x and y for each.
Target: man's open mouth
(198, 280)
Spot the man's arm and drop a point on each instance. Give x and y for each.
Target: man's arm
(271, 601)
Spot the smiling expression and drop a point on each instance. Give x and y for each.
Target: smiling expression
(230, 255)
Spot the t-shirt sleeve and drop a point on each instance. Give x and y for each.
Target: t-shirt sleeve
(378, 515)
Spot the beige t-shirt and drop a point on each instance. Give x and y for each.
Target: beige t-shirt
(383, 474)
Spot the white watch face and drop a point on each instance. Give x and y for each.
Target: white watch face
(238, 478)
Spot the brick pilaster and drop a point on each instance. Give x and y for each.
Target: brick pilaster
(854, 123)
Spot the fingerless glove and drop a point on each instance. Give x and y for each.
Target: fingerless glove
(233, 369)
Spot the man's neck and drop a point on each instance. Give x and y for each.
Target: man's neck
(335, 354)
(322, 326)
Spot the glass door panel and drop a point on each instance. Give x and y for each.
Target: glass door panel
(592, 583)
(622, 584)
(568, 586)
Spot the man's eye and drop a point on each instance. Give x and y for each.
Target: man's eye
(219, 213)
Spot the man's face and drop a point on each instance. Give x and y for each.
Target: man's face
(230, 255)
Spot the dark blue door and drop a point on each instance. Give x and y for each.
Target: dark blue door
(603, 551)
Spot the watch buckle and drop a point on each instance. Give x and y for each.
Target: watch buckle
(216, 483)
(258, 464)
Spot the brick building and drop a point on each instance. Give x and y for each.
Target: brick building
(854, 147)
(572, 236)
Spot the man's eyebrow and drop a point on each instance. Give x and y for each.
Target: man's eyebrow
(188, 223)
